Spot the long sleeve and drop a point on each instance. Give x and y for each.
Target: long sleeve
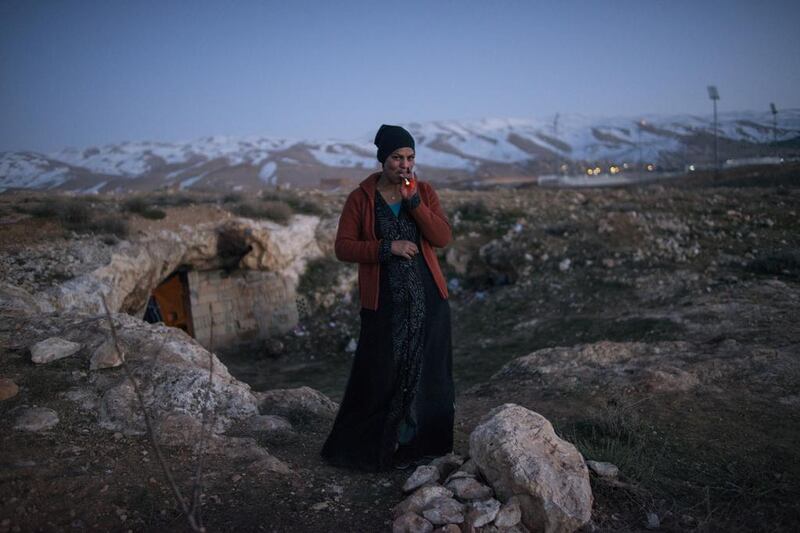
(350, 245)
(431, 219)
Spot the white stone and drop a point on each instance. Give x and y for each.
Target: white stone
(509, 515)
(468, 488)
(53, 349)
(519, 454)
(447, 464)
(423, 475)
(36, 419)
(302, 401)
(482, 512)
(444, 511)
(106, 356)
(269, 424)
(411, 523)
(421, 499)
(603, 469)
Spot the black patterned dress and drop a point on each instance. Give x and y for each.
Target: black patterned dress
(398, 403)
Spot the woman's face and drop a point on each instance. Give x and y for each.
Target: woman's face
(399, 165)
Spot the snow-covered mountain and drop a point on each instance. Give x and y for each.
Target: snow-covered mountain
(446, 151)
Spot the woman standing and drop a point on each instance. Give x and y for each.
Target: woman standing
(398, 405)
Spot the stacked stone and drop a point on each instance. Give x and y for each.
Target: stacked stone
(521, 477)
(450, 496)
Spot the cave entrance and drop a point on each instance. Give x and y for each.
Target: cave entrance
(170, 303)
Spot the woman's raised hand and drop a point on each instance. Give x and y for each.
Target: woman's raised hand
(407, 191)
(406, 249)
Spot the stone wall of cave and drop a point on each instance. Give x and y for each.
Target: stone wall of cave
(240, 305)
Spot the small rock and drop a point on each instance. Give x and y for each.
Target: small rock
(468, 488)
(270, 464)
(302, 402)
(268, 424)
(236, 478)
(449, 528)
(117, 435)
(36, 419)
(52, 349)
(564, 265)
(447, 464)
(652, 521)
(603, 469)
(457, 475)
(483, 512)
(469, 467)
(423, 475)
(8, 389)
(411, 523)
(509, 515)
(445, 511)
(421, 499)
(273, 348)
(106, 356)
(321, 506)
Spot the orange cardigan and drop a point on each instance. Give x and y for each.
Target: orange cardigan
(356, 241)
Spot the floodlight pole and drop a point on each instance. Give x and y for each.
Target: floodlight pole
(714, 95)
(639, 141)
(774, 122)
(558, 155)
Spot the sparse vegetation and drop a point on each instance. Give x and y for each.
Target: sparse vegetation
(298, 203)
(81, 215)
(276, 211)
(142, 206)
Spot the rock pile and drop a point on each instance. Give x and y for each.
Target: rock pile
(520, 477)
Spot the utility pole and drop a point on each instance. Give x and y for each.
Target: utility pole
(558, 154)
(774, 122)
(642, 124)
(714, 95)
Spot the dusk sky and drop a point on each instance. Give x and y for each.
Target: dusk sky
(82, 73)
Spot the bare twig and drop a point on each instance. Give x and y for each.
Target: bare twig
(149, 425)
(207, 421)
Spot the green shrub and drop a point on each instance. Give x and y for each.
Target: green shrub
(319, 273)
(474, 211)
(115, 226)
(295, 201)
(271, 210)
(143, 207)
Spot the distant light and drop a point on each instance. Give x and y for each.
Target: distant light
(624, 165)
(614, 169)
(691, 168)
(650, 168)
(590, 171)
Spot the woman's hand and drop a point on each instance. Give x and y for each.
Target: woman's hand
(406, 249)
(407, 191)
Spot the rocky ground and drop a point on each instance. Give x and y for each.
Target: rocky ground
(655, 328)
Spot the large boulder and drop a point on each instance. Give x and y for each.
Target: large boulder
(650, 367)
(518, 452)
(172, 371)
(300, 404)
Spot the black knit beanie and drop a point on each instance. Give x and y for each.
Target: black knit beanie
(390, 138)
